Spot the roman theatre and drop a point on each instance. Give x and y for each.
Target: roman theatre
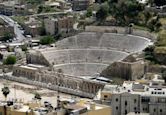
(79, 57)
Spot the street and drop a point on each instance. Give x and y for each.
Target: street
(18, 32)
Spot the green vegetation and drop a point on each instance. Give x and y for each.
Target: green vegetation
(149, 54)
(20, 19)
(24, 48)
(5, 91)
(45, 9)
(154, 24)
(89, 12)
(47, 40)
(103, 12)
(10, 60)
(161, 41)
(125, 11)
(155, 54)
(37, 96)
(160, 50)
(117, 80)
(7, 36)
(2, 22)
(141, 27)
(34, 1)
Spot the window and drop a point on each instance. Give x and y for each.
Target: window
(135, 100)
(116, 99)
(105, 96)
(154, 110)
(135, 108)
(116, 107)
(161, 110)
(125, 103)
(125, 111)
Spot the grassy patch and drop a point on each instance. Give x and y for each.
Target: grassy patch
(20, 19)
(161, 50)
(161, 41)
(117, 80)
(163, 21)
(141, 27)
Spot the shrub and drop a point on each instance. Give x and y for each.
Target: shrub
(10, 60)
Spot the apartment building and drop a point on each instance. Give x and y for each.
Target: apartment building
(138, 98)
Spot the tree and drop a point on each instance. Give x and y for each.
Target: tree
(149, 53)
(37, 96)
(154, 24)
(5, 91)
(103, 12)
(161, 40)
(125, 11)
(40, 9)
(89, 12)
(34, 1)
(24, 48)
(7, 36)
(10, 60)
(47, 40)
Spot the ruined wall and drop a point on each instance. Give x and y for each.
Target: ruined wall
(24, 72)
(126, 70)
(36, 58)
(138, 69)
(54, 79)
(118, 69)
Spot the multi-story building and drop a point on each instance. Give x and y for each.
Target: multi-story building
(6, 8)
(59, 25)
(32, 26)
(79, 5)
(138, 98)
(20, 108)
(12, 8)
(87, 108)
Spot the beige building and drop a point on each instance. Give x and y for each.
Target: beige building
(133, 97)
(12, 8)
(20, 108)
(87, 108)
(79, 5)
(59, 25)
(32, 26)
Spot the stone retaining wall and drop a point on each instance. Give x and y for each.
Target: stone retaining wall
(121, 30)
